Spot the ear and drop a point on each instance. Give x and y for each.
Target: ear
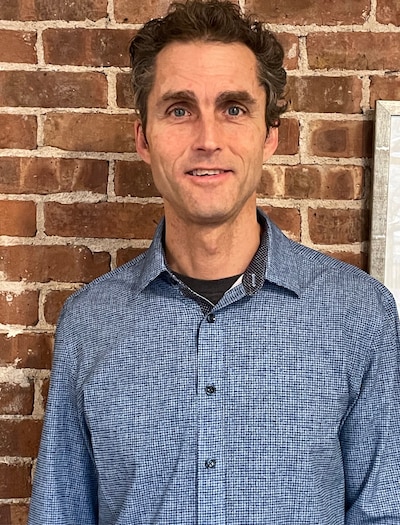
(271, 143)
(142, 146)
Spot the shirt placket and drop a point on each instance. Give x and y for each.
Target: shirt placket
(211, 468)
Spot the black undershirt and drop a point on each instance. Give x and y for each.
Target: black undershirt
(212, 290)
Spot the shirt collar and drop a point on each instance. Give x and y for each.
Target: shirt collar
(274, 260)
(281, 268)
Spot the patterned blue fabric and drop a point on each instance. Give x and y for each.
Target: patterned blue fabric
(280, 408)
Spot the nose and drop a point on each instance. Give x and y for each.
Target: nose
(208, 135)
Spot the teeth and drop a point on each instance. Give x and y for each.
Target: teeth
(203, 173)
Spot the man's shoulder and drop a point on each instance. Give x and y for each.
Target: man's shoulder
(319, 270)
(106, 289)
(306, 270)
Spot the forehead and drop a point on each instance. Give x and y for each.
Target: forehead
(206, 67)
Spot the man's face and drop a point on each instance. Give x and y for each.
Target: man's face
(206, 132)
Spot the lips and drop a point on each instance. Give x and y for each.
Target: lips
(206, 172)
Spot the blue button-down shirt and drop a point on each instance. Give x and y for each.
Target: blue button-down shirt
(280, 408)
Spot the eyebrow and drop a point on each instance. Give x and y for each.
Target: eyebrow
(171, 96)
(236, 96)
(243, 97)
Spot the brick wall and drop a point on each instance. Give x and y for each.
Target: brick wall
(76, 200)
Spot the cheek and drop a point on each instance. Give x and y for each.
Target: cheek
(167, 151)
(161, 163)
(249, 137)
(250, 149)
(163, 144)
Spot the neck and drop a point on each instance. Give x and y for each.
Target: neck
(211, 251)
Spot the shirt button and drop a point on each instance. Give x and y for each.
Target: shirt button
(211, 318)
(211, 463)
(210, 390)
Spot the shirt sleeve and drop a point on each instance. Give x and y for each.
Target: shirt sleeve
(370, 437)
(65, 484)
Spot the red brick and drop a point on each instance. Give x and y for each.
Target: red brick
(14, 513)
(16, 399)
(289, 132)
(18, 218)
(303, 182)
(90, 132)
(324, 182)
(44, 391)
(54, 10)
(124, 255)
(271, 182)
(325, 94)
(51, 89)
(53, 303)
(290, 44)
(349, 138)
(356, 259)
(103, 220)
(124, 91)
(20, 437)
(26, 350)
(304, 12)
(87, 47)
(136, 11)
(18, 46)
(15, 481)
(388, 12)
(52, 175)
(21, 309)
(354, 50)
(52, 263)
(384, 88)
(337, 226)
(288, 219)
(18, 131)
(134, 178)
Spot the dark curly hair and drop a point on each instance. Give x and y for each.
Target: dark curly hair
(208, 21)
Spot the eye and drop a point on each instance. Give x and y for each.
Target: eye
(235, 111)
(178, 112)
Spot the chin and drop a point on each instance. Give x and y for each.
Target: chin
(211, 217)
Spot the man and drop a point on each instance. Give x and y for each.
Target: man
(228, 375)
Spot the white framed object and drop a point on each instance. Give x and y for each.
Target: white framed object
(385, 228)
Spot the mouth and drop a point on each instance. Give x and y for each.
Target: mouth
(206, 172)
